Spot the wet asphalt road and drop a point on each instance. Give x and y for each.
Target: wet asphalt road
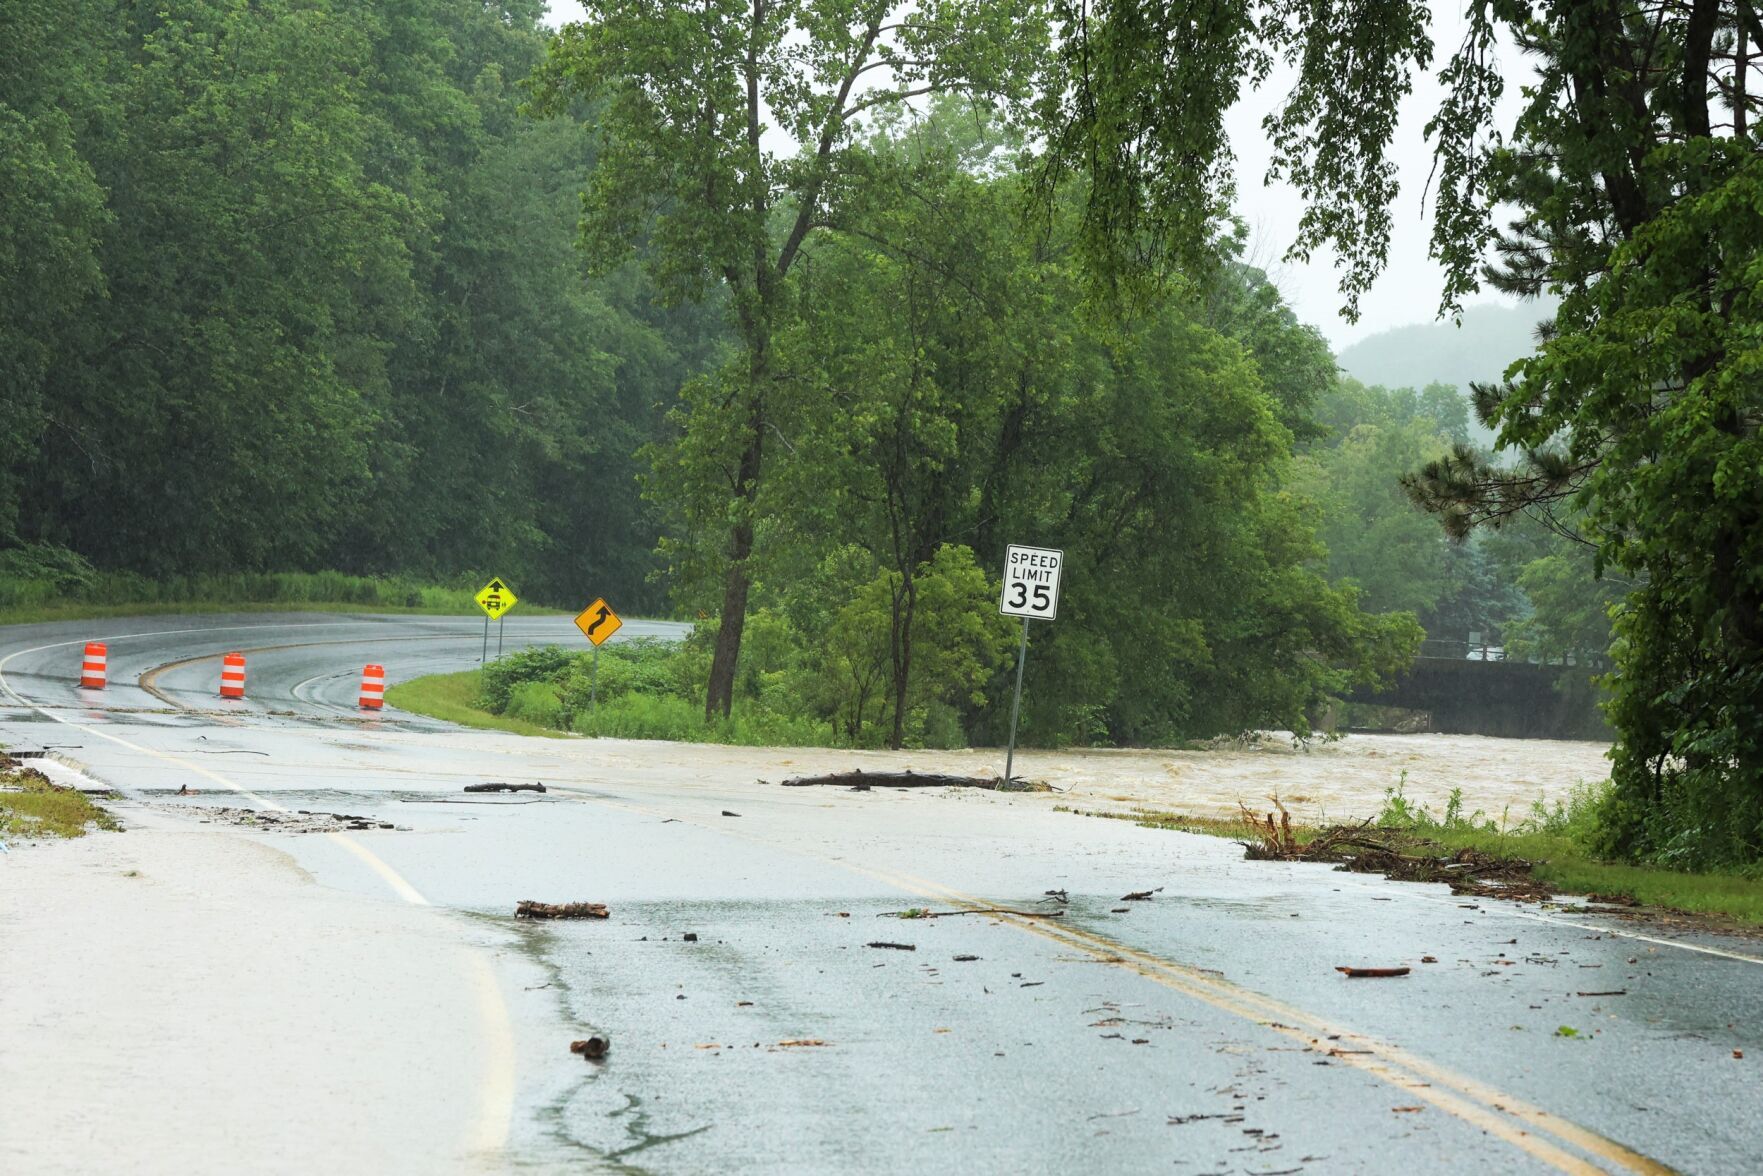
(1202, 1031)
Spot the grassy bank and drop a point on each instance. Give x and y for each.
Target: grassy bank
(94, 595)
(455, 698)
(505, 699)
(1553, 841)
(31, 806)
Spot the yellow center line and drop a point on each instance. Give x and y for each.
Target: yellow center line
(1472, 1101)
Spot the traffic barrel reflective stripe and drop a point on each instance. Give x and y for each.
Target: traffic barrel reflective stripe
(92, 668)
(373, 687)
(232, 676)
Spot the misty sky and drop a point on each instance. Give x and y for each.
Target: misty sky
(1408, 291)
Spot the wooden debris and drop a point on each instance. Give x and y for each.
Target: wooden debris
(861, 781)
(1140, 895)
(592, 1048)
(800, 1042)
(1276, 840)
(1371, 973)
(1612, 992)
(528, 909)
(895, 946)
(501, 787)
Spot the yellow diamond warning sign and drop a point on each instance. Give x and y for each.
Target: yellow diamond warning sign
(598, 622)
(496, 598)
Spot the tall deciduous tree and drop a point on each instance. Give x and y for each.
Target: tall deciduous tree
(727, 132)
(939, 385)
(1634, 167)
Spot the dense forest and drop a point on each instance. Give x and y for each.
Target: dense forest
(291, 285)
(301, 285)
(787, 318)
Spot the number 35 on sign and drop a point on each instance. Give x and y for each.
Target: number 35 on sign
(1031, 582)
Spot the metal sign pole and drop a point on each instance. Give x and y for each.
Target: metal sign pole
(500, 622)
(485, 656)
(1016, 704)
(594, 683)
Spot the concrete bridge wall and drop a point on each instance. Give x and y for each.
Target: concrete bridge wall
(1507, 698)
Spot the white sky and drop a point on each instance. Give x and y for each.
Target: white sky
(1408, 290)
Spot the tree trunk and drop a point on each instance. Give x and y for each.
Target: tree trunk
(902, 661)
(719, 696)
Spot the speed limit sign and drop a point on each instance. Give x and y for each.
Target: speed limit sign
(1031, 582)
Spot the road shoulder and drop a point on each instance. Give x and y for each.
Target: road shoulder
(182, 1001)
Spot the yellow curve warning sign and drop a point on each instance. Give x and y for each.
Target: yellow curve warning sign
(496, 598)
(598, 622)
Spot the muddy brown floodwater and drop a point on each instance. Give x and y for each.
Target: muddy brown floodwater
(1320, 782)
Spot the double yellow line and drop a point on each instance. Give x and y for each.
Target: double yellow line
(1529, 1128)
(1541, 1135)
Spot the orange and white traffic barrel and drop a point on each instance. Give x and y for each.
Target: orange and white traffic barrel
(232, 676)
(92, 668)
(373, 687)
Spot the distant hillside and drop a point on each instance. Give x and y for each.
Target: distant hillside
(1491, 337)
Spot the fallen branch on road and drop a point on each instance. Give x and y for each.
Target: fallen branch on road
(861, 781)
(528, 909)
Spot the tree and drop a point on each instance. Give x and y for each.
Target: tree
(51, 215)
(727, 133)
(1634, 170)
(290, 285)
(1637, 177)
(941, 385)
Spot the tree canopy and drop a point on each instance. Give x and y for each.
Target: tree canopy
(1628, 184)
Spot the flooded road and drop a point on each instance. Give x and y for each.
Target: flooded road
(1203, 1030)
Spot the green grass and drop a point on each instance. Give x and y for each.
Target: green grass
(30, 806)
(95, 594)
(454, 698)
(1545, 838)
(1571, 870)
(1234, 828)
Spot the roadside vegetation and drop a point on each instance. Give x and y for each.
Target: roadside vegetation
(458, 698)
(40, 582)
(32, 806)
(1553, 845)
(797, 349)
(645, 689)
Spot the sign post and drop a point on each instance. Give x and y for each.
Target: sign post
(1030, 591)
(495, 598)
(598, 623)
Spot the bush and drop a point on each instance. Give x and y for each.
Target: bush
(647, 666)
(545, 663)
(62, 571)
(637, 716)
(537, 703)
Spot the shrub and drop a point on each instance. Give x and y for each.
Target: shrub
(544, 663)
